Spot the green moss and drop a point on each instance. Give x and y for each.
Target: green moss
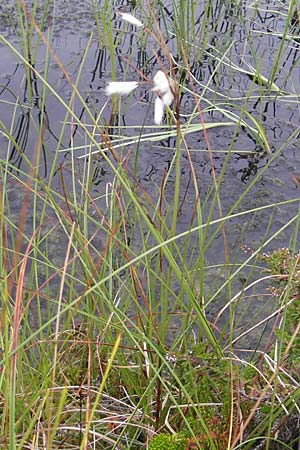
(168, 442)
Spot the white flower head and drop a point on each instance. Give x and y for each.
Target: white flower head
(120, 87)
(130, 19)
(168, 98)
(161, 82)
(162, 86)
(159, 107)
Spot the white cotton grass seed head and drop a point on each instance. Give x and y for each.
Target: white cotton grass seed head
(161, 83)
(162, 86)
(159, 107)
(120, 87)
(168, 98)
(130, 19)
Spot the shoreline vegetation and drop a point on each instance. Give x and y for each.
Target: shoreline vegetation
(116, 330)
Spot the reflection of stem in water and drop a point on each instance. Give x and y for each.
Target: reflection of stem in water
(115, 120)
(31, 97)
(21, 137)
(100, 64)
(98, 175)
(5, 87)
(141, 60)
(292, 65)
(265, 112)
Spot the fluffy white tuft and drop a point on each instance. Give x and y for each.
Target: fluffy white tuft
(120, 87)
(131, 19)
(161, 83)
(159, 107)
(162, 86)
(168, 98)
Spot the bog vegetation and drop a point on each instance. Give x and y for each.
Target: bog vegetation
(117, 331)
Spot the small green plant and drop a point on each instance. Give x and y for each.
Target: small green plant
(285, 287)
(168, 442)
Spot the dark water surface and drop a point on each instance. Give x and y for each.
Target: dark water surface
(248, 36)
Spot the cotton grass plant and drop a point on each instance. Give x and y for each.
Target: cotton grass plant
(163, 86)
(106, 334)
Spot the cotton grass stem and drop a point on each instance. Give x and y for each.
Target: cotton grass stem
(14, 346)
(57, 325)
(101, 388)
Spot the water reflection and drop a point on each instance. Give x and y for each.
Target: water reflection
(31, 110)
(101, 59)
(135, 59)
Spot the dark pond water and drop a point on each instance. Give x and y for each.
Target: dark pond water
(249, 35)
